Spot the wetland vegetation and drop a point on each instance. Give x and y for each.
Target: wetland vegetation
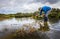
(32, 33)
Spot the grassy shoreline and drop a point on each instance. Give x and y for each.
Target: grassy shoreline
(54, 15)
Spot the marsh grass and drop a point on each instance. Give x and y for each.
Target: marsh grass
(32, 33)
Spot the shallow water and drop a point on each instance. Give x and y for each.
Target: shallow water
(10, 25)
(14, 23)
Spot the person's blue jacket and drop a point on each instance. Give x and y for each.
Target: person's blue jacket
(45, 9)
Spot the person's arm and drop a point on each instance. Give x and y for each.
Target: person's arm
(41, 12)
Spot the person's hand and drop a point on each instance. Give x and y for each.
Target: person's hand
(42, 15)
(36, 15)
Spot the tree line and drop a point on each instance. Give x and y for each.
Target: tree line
(54, 14)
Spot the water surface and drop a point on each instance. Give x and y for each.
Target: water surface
(10, 25)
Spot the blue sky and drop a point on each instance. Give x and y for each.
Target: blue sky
(13, 6)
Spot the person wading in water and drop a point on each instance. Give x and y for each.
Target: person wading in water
(46, 10)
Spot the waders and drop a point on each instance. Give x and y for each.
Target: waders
(45, 26)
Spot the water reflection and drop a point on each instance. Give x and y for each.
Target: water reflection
(9, 25)
(56, 26)
(16, 23)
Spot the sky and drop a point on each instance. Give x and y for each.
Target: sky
(14, 6)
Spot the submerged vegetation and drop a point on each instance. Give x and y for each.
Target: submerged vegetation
(32, 33)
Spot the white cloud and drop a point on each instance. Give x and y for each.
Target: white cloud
(13, 6)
